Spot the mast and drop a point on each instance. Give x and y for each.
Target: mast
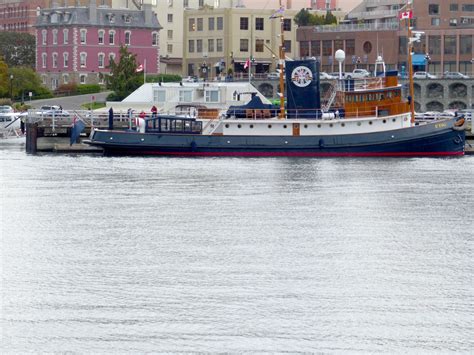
(281, 61)
(410, 63)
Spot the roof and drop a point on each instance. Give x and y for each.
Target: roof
(105, 17)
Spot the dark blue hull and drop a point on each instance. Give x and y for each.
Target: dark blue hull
(425, 140)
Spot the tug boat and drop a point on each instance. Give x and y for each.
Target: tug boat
(361, 118)
(372, 120)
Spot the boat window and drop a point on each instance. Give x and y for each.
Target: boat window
(359, 123)
(212, 95)
(343, 124)
(239, 126)
(305, 126)
(251, 126)
(284, 126)
(227, 125)
(370, 122)
(159, 95)
(394, 120)
(269, 126)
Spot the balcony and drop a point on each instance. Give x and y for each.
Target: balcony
(369, 15)
(351, 27)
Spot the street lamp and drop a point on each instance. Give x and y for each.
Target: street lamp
(11, 87)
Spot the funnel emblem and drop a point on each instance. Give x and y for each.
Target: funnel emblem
(301, 76)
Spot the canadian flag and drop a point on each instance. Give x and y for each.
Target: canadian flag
(247, 64)
(139, 69)
(406, 15)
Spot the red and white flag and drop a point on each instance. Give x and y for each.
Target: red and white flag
(139, 69)
(247, 64)
(406, 15)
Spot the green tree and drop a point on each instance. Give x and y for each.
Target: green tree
(25, 79)
(3, 78)
(330, 18)
(123, 78)
(306, 18)
(18, 49)
(303, 18)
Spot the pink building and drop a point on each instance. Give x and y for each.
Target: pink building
(75, 44)
(323, 4)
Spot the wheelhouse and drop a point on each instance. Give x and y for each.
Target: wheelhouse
(173, 124)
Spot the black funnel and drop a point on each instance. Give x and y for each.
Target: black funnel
(302, 85)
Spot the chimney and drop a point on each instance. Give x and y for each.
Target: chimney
(92, 11)
(148, 13)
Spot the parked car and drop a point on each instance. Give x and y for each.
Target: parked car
(358, 74)
(454, 75)
(424, 75)
(52, 110)
(273, 75)
(325, 76)
(190, 79)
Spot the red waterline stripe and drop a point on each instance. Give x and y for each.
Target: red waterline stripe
(304, 154)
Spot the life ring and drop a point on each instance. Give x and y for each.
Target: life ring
(460, 124)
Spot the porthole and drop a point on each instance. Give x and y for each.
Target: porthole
(284, 126)
(330, 125)
(251, 126)
(227, 125)
(319, 125)
(305, 126)
(384, 121)
(343, 125)
(394, 120)
(370, 122)
(239, 126)
(359, 123)
(269, 126)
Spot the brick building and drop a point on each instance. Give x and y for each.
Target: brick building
(75, 44)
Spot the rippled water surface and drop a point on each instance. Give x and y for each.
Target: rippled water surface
(232, 255)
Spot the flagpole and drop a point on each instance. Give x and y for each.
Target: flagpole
(250, 70)
(144, 72)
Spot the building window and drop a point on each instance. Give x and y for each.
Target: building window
(191, 25)
(185, 96)
(453, 22)
(55, 36)
(128, 19)
(170, 18)
(259, 23)
(83, 61)
(169, 48)
(211, 23)
(170, 34)
(55, 60)
(304, 49)
(111, 37)
(219, 45)
(244, 23)
(201, 3)
(315, 48)
(101, 60)
(65, 59)
(111, 57)
(453, 7)
(65, 36)
(44, 37)
(127, 38)
(191, 46)
(200, 25)
(82, 78)
(212, 95)
(287, 24)
(287, 46)
(434, 45)
(468, 7)
(465, 44)
(159, 95)
(186, 3)
(43, 60)
(435, 21)
(220, 23)
(154, 39)
(101, 34)
(350, 47)
(327, 48)
(244, 45)
(259, 45)
(65, 79)
(367, 46)
(433, 9)
(199, 46)
(210, 45)
(83, 36)
(449, 44)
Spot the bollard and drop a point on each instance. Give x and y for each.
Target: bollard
(31, 137)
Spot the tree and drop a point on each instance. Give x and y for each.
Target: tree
(4, 81)
(330, 18)
(123, 78)
(305, 18)
(18, 49)
(25, 79)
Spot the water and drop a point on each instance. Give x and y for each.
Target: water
(138, 255)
